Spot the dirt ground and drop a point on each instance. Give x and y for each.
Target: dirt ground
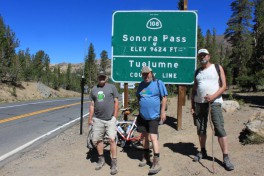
(67, 155)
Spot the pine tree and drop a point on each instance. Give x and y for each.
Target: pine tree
(68, 77)
(214, 49)
(257, 61)
(75, 80)
(14, 70)
(55, 82)
(2, 47)
(27, 67)
(104, 60)
(226, 65)
(208, 40)
(38, 65)
(239, 36)
(222, 54)
(24, 59)
(22, 62)
(47, 71)
(181, 4)
(90, 68)
(8, 60)
(200, 38)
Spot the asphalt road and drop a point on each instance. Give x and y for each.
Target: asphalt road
(25, 124)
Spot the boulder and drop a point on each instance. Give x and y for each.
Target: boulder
(44, 90)
(230, 106)
(256, 124)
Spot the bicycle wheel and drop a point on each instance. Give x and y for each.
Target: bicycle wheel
(116, 139)
(136, 139)
(90, 144)
(106, 140)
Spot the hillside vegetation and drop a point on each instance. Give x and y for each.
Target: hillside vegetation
(32, 91)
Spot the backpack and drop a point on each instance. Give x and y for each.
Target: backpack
(217, 70)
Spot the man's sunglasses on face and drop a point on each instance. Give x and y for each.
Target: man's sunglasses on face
(202, 55)
(145, 74)
(101, 77)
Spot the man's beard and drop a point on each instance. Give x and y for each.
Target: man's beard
(204, 61)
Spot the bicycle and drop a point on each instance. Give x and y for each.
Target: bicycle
(127, 132)
(91, 145)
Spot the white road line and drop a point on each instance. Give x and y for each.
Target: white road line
(34, 140)
(35, 103)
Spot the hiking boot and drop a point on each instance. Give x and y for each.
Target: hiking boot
(155, 168)
(145, 160)
(100, 163)
(227, 164)
(113, 166)
(199, 156)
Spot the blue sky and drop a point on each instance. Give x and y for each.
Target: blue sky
(65, 28)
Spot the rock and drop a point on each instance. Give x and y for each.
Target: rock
(230, 106)
(44, 90)
(256, 123)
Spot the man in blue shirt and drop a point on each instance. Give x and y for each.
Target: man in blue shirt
(152, 97)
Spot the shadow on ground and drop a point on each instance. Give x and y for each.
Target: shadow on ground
(92, 155)
(256, 101)
(131, 152)
(189, 150)
(171, 121)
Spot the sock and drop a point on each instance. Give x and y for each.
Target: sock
(203, 150)
(225, 155)
(156, 154)
(146, 150)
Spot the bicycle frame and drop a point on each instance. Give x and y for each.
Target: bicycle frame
(128, 137)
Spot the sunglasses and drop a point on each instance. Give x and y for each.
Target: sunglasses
(202, 55)
(145, 74)
(101, 77)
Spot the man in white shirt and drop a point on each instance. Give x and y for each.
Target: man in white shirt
(207, 98)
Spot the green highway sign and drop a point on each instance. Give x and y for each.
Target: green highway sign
(164, 40)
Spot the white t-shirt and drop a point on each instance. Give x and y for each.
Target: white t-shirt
(207, 83)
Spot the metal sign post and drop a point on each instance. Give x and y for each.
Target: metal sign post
(126, 99)
(81, 118)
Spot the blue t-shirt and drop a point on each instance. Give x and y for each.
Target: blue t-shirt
(149, 98)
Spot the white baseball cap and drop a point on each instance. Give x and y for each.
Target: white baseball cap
(146, 69)
(102, 73)
(203, 51)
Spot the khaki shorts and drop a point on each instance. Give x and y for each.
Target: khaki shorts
(102, 128)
